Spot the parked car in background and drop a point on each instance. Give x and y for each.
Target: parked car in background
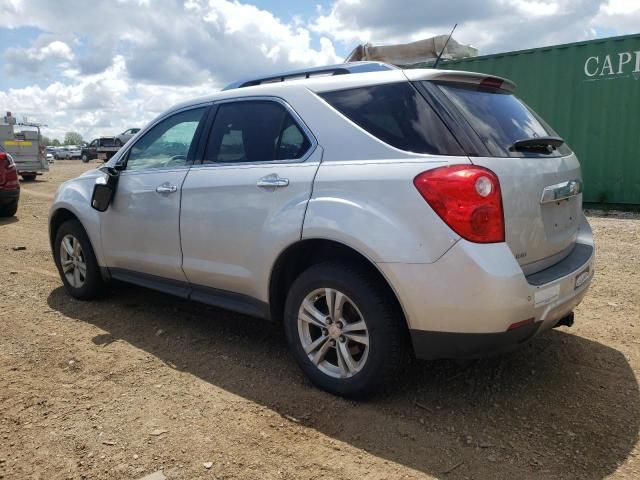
(9, 185)
(69, 152)
(376, 212)
(60, 153)
(103, 147)
(125, 136)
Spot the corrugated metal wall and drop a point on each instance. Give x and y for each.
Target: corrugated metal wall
(589, 92)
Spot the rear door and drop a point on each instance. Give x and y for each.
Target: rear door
(541, 187)
(245, 203)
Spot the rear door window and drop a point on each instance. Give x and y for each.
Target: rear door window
(398, 115)
(255, 131)
(500, 119)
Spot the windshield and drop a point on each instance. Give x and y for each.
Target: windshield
(500, 119)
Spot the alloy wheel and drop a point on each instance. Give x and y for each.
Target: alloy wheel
(333, 333)
(72, 261)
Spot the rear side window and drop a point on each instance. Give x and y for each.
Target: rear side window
(398, 115)
(255, 131)
(499, 118)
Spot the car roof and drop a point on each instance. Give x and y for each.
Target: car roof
(322, 83)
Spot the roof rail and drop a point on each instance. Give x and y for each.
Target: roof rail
(339, 69)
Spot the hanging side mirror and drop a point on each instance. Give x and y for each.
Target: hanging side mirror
(105, 189)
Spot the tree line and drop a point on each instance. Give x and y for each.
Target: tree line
(70, 138)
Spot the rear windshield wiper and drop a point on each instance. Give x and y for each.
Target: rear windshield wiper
(537, 144)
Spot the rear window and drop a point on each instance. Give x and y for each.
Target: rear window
(398, 115)
(500, 119)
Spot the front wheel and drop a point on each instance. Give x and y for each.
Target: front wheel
(76, 261)
(85, 158)
(344, 329)
(28, 177)
(10, 209)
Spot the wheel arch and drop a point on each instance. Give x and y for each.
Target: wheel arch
(58, 217)
(298, 257)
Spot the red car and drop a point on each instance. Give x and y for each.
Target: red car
(9, 185)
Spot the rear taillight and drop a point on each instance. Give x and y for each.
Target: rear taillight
(6, 159)
(467, 198)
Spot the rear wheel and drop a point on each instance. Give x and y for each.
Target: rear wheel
(10, 209)
(343, 329)
(76, 261)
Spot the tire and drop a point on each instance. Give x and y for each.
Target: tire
(90, 284)
(377, 363)
(9, 210)
(28, 177)
(85, 159)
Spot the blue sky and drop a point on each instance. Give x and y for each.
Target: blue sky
(103, 66)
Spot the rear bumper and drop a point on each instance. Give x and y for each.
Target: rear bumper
(470, 345)
(462, 305)
(8, 197)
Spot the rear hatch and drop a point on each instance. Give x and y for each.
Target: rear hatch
(539, 176)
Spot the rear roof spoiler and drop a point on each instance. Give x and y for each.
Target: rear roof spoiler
(455, 76)
(339, 69)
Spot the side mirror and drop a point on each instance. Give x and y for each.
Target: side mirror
(104, 189)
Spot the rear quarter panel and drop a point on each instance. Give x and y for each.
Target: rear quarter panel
(374, 207)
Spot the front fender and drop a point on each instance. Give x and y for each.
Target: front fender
(75, 197)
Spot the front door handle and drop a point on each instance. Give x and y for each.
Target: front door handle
(273, 181)
(166, 188)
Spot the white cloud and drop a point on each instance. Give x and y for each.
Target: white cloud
(491, 25)
(102, 68)
(124, 63)
(615, 7)
(56, 49)
(37, 58)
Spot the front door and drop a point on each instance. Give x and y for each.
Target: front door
(246, 201)
(141, 229)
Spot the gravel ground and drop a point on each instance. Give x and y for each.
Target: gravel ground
(138, 382)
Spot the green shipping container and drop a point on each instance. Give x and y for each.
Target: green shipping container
(589, 92)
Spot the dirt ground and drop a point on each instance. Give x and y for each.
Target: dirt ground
(139, 382)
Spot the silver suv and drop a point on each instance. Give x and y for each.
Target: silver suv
(377, 213)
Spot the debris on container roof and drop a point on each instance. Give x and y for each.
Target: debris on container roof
(421, 53)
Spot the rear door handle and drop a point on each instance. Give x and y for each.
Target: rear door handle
(273, 181)
(166, 188)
